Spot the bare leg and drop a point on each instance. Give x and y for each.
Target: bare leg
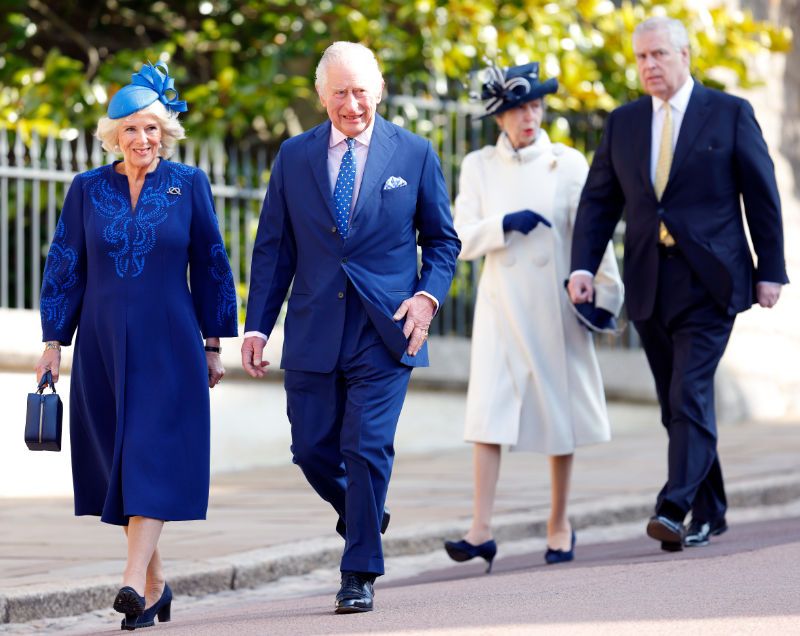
(486, 465)
(144, 569)
(559, 530)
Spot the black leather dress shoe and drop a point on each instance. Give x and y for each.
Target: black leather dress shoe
(355, 594)
(342, 529)
(669, 532)
(700, 532)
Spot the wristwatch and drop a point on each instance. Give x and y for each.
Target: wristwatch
(213, 349)
(52, 344)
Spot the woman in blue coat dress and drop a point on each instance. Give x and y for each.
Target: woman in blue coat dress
(117, 272)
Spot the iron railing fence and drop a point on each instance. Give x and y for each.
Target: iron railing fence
(35, 174)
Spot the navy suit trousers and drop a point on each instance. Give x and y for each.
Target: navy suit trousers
(684, 340)
(343, 426)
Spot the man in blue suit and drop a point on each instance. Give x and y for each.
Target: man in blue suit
(678, 162)
(347, 204)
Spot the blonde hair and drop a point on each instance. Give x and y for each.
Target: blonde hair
(171, 129)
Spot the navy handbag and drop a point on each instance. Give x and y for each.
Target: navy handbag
(43, 421)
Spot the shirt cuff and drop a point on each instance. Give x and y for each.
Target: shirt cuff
(250, 334)
(435, 302)
(581, 271)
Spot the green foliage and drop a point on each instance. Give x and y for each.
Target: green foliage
(246, 66)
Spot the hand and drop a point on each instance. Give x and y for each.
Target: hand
(215, 369)
(418, 312)
(580, 288)
(50, 361)
(768, 293)
(523, 221)
(252, 350)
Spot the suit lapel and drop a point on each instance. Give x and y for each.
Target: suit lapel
(317, 152)
(697, 111)
(381, 149)
(642, 138)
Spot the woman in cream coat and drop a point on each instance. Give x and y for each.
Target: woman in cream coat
(535, 384)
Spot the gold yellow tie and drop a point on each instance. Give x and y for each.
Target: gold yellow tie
(662, 170)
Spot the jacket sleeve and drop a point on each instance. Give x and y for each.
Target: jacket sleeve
(600, 207)
(436, 235)
(64, 278)
(762, 205)
(274, 257)
(479, 235)
(608, 287)
(210, 277)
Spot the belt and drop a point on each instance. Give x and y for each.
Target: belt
(668, 251)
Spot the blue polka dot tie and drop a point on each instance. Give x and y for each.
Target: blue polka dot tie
(345, 184)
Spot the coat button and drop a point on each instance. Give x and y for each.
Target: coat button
(333, 229)
(340, 294)
(344, 260)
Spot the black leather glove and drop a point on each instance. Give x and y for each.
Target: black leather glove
(523, 221)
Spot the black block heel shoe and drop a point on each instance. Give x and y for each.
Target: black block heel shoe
(162, 608)
(464, 551)
(560, 556)
(128, 602)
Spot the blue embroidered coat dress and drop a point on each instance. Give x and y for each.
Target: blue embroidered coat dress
(139, 403)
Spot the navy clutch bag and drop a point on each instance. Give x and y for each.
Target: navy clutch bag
(43, 421)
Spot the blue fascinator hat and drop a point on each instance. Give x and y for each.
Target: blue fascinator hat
(507, 88)
(147, 86)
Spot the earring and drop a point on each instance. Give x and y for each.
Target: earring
(116, 148)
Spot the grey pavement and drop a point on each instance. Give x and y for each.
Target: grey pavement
(265, 523)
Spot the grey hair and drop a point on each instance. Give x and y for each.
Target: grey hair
(678, 36)
(171, 129)
(347, 53)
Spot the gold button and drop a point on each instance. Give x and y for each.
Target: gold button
(341, 294)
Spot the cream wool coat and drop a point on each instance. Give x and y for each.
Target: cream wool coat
(534, 381)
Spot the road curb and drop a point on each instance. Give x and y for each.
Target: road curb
(258, 567)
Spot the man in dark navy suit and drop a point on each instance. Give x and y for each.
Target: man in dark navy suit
(348, 203)
(678, 162)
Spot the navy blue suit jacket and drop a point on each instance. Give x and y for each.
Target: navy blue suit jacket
(720, 157)
(297, 243)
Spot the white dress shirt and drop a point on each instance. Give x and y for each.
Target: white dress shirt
(678, 103)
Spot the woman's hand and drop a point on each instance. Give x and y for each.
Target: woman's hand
(50, 361)
(214, 361)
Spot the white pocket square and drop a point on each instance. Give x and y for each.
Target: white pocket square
(394, 182)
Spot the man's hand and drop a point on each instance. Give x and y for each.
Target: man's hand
(418, 312)
(768, 294)
(252, 350)
(581, 288)
(523, 221)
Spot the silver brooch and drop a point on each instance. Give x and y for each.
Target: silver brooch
(173, 190)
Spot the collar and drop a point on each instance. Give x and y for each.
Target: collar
(680, 100)
(540, 146)
(337, 136)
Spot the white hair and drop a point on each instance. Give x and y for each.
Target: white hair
(678, 36)
(171, 130)
(347, 53)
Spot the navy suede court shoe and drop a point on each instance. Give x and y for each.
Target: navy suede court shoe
(464, 551)
(560, 556)
(128, 602)
(161, 608)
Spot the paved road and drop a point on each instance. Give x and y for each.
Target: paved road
(746, 582)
